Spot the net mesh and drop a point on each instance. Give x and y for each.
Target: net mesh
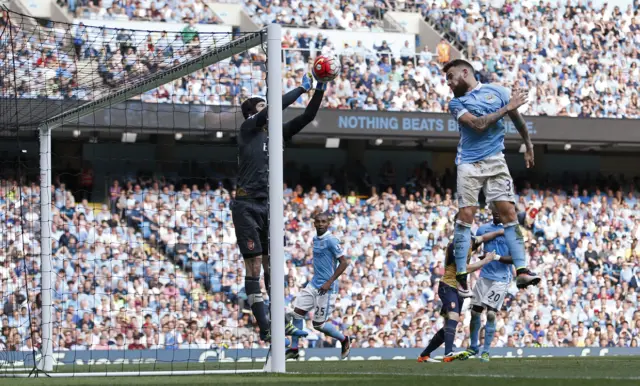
(146, 272)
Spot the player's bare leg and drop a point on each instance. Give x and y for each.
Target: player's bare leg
(461, 245)
(515, 242)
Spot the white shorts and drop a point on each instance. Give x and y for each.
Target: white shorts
(489, 293)
(490, 175)
(310, 300)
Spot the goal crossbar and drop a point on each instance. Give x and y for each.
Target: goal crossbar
(144, 85)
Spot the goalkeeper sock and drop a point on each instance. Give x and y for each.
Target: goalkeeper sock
(475, 331)
(461, 245)
(294, 339)
(330, 330)
(435, 342)
(515, 242)
(489, 331)
(449, 335)
(256, 302)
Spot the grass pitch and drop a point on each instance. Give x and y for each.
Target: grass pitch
(578, 371)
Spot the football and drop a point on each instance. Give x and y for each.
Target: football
(326, 68)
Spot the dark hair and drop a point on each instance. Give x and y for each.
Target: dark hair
(458, 63)
(249, 106)
(321, 213)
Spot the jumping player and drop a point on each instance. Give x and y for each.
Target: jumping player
(479, 110)
(452, 301)
(320, 294)
(490, 290)
(250, 211)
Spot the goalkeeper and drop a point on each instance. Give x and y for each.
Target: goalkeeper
(250, 208)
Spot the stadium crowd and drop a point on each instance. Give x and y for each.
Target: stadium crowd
(157, 266)
(578, 60)
(171, 11)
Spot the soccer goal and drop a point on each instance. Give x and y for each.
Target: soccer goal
(118, 161)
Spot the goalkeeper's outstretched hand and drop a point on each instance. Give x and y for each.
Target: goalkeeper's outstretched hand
(307, 82)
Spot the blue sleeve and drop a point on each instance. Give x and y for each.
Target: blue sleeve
(336, 249)
(481, 231)
(456, 108)
(504, 94)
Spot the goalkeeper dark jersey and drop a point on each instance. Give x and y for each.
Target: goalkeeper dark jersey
(253, 156)
(253, 159)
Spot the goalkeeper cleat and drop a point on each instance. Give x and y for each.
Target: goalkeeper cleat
(484, 357)
(346, 347)
(463, 285)
(526, 278)
(292, 353)
(427, 359)
(265, 336)
(292, 330)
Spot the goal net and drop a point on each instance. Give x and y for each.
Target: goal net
(118, 164)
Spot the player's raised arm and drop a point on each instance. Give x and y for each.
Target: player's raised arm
(482, 123)
(479, 239)
(521, 126)
(489, 257)
(255, 110)
(298, 123)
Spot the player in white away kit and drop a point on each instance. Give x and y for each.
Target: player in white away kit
(479, 110)
(320, 294)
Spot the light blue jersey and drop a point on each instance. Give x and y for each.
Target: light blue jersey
(495, 270)
(326, 252)
(482, 100)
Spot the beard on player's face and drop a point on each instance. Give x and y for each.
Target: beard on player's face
(458, 82)
(460, 87)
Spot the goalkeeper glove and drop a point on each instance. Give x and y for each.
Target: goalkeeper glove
(307, 82)
(321, 86)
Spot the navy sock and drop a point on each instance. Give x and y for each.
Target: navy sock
(449, 335)
(435, 342)
(254, 295)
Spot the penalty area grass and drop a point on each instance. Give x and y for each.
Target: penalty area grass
(573, 371)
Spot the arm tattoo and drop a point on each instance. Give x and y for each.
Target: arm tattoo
(484, 122)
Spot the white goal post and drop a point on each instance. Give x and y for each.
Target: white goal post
(273, 35)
